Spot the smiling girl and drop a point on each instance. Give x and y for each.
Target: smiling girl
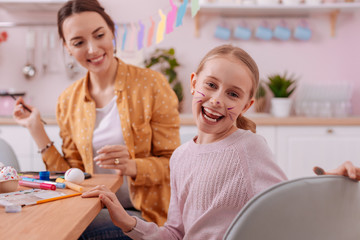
(226, 164)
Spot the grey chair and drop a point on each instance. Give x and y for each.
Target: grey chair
(7, 155)
(310, 208)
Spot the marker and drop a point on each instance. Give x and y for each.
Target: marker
(57, 184)
(45, 186)
(70, 185)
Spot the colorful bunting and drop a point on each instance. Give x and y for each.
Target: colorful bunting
(181, 13)
(140, 36)
(165, 25)
(195, 7)
(124, 38)
(132, 37)
(151, 32)
(171, 18)
(161, 27)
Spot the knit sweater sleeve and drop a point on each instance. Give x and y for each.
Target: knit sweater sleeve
(264, 172)
(173, 228)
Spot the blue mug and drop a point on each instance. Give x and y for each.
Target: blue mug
(222, 33)
(282, 33)
(242, 33)
(302, 33)
(263, 33)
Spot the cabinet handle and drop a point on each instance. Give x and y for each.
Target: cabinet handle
(330, 131)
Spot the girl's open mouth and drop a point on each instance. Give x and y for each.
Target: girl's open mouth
(211, 115)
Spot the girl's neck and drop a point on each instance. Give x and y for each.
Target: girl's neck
(206, 138)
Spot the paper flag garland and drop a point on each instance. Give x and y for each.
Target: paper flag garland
(181, 13)
(171, 18)
(161, 27)
(140, 36)
(138, 30)
(132, 37)
(124, 38)
(151, 32)
(195, 7)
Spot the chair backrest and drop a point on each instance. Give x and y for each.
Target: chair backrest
(310, 208)
(7, 155)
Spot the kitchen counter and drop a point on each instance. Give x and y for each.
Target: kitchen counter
(259, 119)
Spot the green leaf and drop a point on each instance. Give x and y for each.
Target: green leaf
(281, 85)
(165, 60)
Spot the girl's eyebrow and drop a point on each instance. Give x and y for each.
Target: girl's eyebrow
(96, 30)
(234, 86)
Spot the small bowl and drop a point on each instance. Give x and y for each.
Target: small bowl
(9, 186)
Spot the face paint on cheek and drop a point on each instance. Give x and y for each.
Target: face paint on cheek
(201, 93)
(202, 96)
(231, 114)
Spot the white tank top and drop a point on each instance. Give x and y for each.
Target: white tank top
(107, 131)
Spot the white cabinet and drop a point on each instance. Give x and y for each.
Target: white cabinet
(24, 146)
(187, 132)
(300, 148)
(20, 140)
(269, 133)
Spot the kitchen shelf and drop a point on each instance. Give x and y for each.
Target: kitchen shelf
(279, 10)
(32, 5)
(276, 10)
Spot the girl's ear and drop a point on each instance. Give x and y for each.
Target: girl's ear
(193, 81)
(248, 105)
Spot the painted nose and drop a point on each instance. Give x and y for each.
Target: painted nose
(214, 101)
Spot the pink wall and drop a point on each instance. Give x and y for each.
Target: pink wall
(323, 59)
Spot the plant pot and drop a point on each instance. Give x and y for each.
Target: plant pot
(281, 107)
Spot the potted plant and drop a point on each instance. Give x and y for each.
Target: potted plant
(260, 98)
(282, 86)
(165, 61)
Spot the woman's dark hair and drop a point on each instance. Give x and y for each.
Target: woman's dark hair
(78, 6)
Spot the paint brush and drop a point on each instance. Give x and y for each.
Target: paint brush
(26, 108)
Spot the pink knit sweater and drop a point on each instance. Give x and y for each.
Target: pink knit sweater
(210, 183)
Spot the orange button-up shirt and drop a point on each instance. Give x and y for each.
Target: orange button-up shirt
(149, 117)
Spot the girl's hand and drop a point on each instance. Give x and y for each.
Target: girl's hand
(25, 118)
(117, 213)
(116, 157)
(345, 169)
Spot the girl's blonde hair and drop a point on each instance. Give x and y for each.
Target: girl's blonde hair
(239, 54)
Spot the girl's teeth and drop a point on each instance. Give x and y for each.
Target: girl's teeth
(213, 113)
(210, 119)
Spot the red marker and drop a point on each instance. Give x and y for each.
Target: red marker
(45, 186)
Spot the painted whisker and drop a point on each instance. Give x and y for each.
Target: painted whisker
(199, 101)
(201, 93)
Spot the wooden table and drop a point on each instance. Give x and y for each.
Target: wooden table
(61, 219)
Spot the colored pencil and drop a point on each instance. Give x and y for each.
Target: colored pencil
(57, 198)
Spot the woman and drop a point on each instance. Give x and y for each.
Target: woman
(117, 118)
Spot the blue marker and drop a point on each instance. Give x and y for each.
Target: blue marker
(58, 185)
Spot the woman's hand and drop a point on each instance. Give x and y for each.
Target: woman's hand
(116, 157)
(117, 213)
(345, 169)
(25, 118)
